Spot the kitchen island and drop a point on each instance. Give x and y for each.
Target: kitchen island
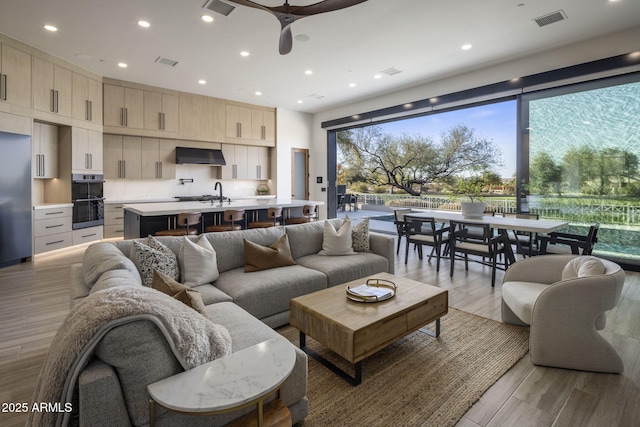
(142, 219)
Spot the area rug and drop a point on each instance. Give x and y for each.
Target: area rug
(419, 380)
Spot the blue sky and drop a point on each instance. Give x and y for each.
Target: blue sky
(495, 122)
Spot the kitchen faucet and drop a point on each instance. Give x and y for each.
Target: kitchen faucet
(218, 184)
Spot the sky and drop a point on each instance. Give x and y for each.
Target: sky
(495, 122)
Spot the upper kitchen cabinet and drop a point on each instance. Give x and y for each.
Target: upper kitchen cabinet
(122, 157)
(86, 151)
(15, 76)
(123, 106)
(235, 157)
(161, 111)
(44, 141)
(258, 163)
(263, 125)
(51, 87)
(87, 99)
(248, 124)
(158, 158)
(238, 122)
(202, 118)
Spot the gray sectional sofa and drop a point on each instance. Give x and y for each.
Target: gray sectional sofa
(112, 386)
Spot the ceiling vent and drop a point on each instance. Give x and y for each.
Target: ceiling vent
(219, 7)
(316, 96)
(165, 61)
(390, 71)
(551, 18)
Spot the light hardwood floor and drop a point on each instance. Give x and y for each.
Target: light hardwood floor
(35, 299)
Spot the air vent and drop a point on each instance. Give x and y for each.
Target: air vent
(316, 96)
(551, 18)
(390, 71)
(219, 7)
(165, 61)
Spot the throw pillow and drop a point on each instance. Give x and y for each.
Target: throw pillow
(583, 266)
(198, 262)
(182, 293)
(151, 256)
(258, 257)
(337, 242)
(360, 236)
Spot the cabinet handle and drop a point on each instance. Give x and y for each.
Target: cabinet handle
(56, 100)
(238, 129)
(90, 111)
(263, 129)
(54, 243)
(89, 235)
(55, 226)
(126, 117)
(86, 109)
(52, 102)
(37, 164)
(160, 163)
(42, 171)
(122, 116)
(3, 87)
(86, 161)
(234, 173)
(124, 168)
(258, 172)
(54, 213)
(90, 161)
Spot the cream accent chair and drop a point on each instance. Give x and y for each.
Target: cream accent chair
(565, 308)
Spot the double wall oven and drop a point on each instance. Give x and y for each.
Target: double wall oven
(88, 200)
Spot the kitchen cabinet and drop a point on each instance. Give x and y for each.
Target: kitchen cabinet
(113, 220)
(202, 118)
(123, 106)
(52, 228)
(86, 151)
(51, 87)
(15, 76)
(258, 163)
(122, 157)
(86, 235)
(158, 158)
(44, 141)
(161, 111)
(86, 103)
(238, 121)
(248, 123)
(236, 158)
(263, 125)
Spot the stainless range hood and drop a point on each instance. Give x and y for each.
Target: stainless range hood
(199, 156)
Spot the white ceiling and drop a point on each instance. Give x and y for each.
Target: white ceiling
(422, 38)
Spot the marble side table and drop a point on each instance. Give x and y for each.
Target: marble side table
(241, 379)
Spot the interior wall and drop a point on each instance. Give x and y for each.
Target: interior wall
(599, 48)
(293, 131)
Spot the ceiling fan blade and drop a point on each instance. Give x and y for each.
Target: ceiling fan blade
(286, 40)
(323, 7)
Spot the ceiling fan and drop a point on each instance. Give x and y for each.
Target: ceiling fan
(288, 14)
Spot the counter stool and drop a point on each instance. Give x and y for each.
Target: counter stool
(184, 221)
(273, 214)
(309, 212)
(231, 217)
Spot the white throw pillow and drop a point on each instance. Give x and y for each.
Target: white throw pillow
(337, 242)
(583, 266)
(198, 262)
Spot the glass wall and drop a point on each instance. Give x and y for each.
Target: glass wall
(579, 162)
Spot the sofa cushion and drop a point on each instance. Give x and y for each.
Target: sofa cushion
(176, 290)
(521, 297)
(155, 257)
(337, 241)
(270, 291)
(102, 257)
(212, 295)
(229, 245)
(114, 278)
(583, 266)
(346, 268)
(258, 257)
(198, 262)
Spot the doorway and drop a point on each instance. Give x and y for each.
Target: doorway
(300, 173)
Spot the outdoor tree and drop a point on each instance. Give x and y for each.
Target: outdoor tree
(545, 174)
(408, 162)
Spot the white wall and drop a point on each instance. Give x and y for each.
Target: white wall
(590, 50)
(293, 130)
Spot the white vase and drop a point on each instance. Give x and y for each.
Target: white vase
(472, 210)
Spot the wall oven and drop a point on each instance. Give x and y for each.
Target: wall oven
(88, 203)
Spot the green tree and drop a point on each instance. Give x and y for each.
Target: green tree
(544, 175)
(579, 169)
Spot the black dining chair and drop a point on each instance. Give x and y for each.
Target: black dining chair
(568, 243)
(399, 223)
(487, 246)
(420, 231)
(526, 242)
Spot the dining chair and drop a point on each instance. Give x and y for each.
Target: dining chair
(568, 243)
(424, 231)
(399, 223)
(488, 246)
(184, 221)
(523, 240)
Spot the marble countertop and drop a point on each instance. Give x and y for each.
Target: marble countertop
(234, 380)
(173, 208)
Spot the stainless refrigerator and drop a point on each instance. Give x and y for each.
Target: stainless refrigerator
(15, 198)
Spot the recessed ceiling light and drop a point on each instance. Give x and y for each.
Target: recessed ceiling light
(300, 101)
(258, 93)
(302, 38)
(202, 82)
(244, 53)
(377, 76)
(207, 18)
(122, 65)
(308, 72)
(144, 24)
(466, 46)
(50, 28)
(352, 85)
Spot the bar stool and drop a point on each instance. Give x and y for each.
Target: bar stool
(273, 214)
(184, 221)
(231, 217)
(309, 212)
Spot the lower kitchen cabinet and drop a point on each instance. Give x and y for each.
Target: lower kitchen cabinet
(86, 235)
(52, 228)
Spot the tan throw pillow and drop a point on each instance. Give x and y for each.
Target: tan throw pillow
(198, 262)
(165, 284)
(337, 242)
(360, 236)
(583, 266)
(258, 257)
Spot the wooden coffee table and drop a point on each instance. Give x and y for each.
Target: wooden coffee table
(356, 330)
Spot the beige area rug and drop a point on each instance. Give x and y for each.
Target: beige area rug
(419, 380)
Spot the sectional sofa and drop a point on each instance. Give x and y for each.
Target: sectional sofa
(112, 386)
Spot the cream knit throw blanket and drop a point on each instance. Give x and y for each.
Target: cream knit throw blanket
(193, 338)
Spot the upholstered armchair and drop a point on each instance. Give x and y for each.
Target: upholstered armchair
(563, 298)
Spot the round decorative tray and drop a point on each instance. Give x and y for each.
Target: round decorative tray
(374, 290)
